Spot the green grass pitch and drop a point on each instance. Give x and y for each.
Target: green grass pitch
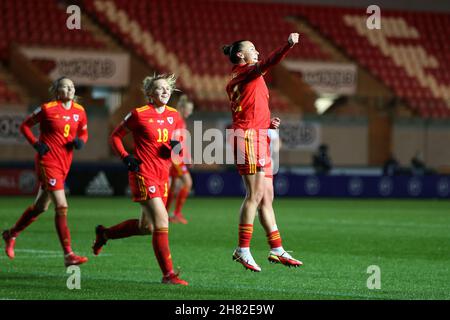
(336, 239)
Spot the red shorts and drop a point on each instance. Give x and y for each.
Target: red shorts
(252, 152)
(177, 170)
(145, 188)
(50, 177)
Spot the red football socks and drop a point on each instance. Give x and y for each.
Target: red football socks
(62, 229)
(27, 218)
(124, 229)
(245, 235)
(274, 239)
(181, 199)
(160, 243)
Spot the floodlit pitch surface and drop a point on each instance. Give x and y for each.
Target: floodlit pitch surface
(336, 239)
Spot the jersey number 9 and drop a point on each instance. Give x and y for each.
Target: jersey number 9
(66, 130)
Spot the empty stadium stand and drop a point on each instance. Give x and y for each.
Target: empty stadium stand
(35, 23)
(176, 36)
(410, 52)
(40, 23)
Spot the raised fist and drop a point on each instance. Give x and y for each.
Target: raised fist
(293, 38)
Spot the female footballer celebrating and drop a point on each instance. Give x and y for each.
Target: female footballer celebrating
(152, 127)
(63, 127)
(249, 103)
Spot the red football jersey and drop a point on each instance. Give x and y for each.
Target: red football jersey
(58, 127)
(152, 132)
(248, 93)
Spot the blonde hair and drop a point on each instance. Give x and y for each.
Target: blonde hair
(53, 89)
(148, 85)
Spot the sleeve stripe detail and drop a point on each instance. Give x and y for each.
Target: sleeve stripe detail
(142, 108)
(171, 109)
(50, 105)
(76, 105)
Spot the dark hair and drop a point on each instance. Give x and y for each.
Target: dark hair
(231, 50)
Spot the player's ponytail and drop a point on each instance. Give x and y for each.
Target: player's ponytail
(231, 50)
(227, 49)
